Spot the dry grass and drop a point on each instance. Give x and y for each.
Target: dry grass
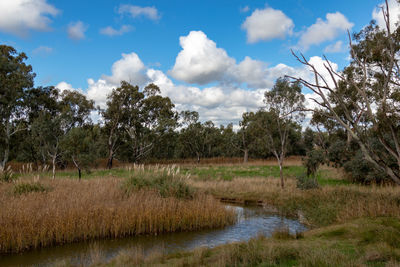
(76, 211)
(329, 204)
(222, 161)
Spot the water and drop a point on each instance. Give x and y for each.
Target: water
(252, 221)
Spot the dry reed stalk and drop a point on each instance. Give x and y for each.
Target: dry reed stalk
(74, 211)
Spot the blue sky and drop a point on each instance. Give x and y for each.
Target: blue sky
(216, 57)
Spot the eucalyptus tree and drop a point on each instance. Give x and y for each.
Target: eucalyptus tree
(73, 119)
(137, 119)
(364, 98)
(191, 136)
(284, 105)
(15, 77)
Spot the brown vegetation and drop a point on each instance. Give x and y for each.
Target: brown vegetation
(71, 211)
(329, 204)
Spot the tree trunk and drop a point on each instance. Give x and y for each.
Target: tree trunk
(280, 161)
(198, 158)
(78, 167)
(110, 160)
(6, 148)
(54, 167)
(246, 156)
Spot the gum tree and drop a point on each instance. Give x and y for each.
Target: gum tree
(364, 99)
(284, 105)
(15, 77)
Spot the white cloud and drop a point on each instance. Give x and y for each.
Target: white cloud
(129, 68)
(394, 12)
(19, 16)
(110, 31)
(337, 47)
(324, 30)
(267, 24)
(137, 11)
(99, 90)
(42, 50)
(200, 60)
(64, 86)
(220, 104)
(76, 30)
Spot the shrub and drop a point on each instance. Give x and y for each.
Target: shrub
(166, 181)
(7, 175)
(312, 162)
(304, 182)
(361, 171)
(25, 188)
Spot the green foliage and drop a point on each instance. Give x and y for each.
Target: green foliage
(167, 183)
(25, 188)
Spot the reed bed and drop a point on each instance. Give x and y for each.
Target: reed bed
(74, 211)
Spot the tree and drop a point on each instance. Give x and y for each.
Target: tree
(80, 145)
(15, 78)
(43, 118)
(76, 141)
(284, 103)
(136, 119)
(364, 98)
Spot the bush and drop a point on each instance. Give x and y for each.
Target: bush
(361, 171)
(305, 182)
(25, 188)
(313, 160)
(7, 175)
(166, 181)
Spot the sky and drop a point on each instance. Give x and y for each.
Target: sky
(217, 57)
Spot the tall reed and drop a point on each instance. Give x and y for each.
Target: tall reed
(98, 208)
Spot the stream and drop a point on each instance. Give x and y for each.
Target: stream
(251, 222)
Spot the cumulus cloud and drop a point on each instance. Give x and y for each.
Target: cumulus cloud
(267, 24)
(200, 60)
(337, 47)
(137, 11)
(129, 68)
(19, 16)
(110, 31)
(324, 30)
(76, 30)
(64, 86)
(220, 104)
(394, 11)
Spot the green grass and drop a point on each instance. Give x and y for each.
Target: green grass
(25, 188)
(228, 173)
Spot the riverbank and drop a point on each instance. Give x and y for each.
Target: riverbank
(360, 242)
